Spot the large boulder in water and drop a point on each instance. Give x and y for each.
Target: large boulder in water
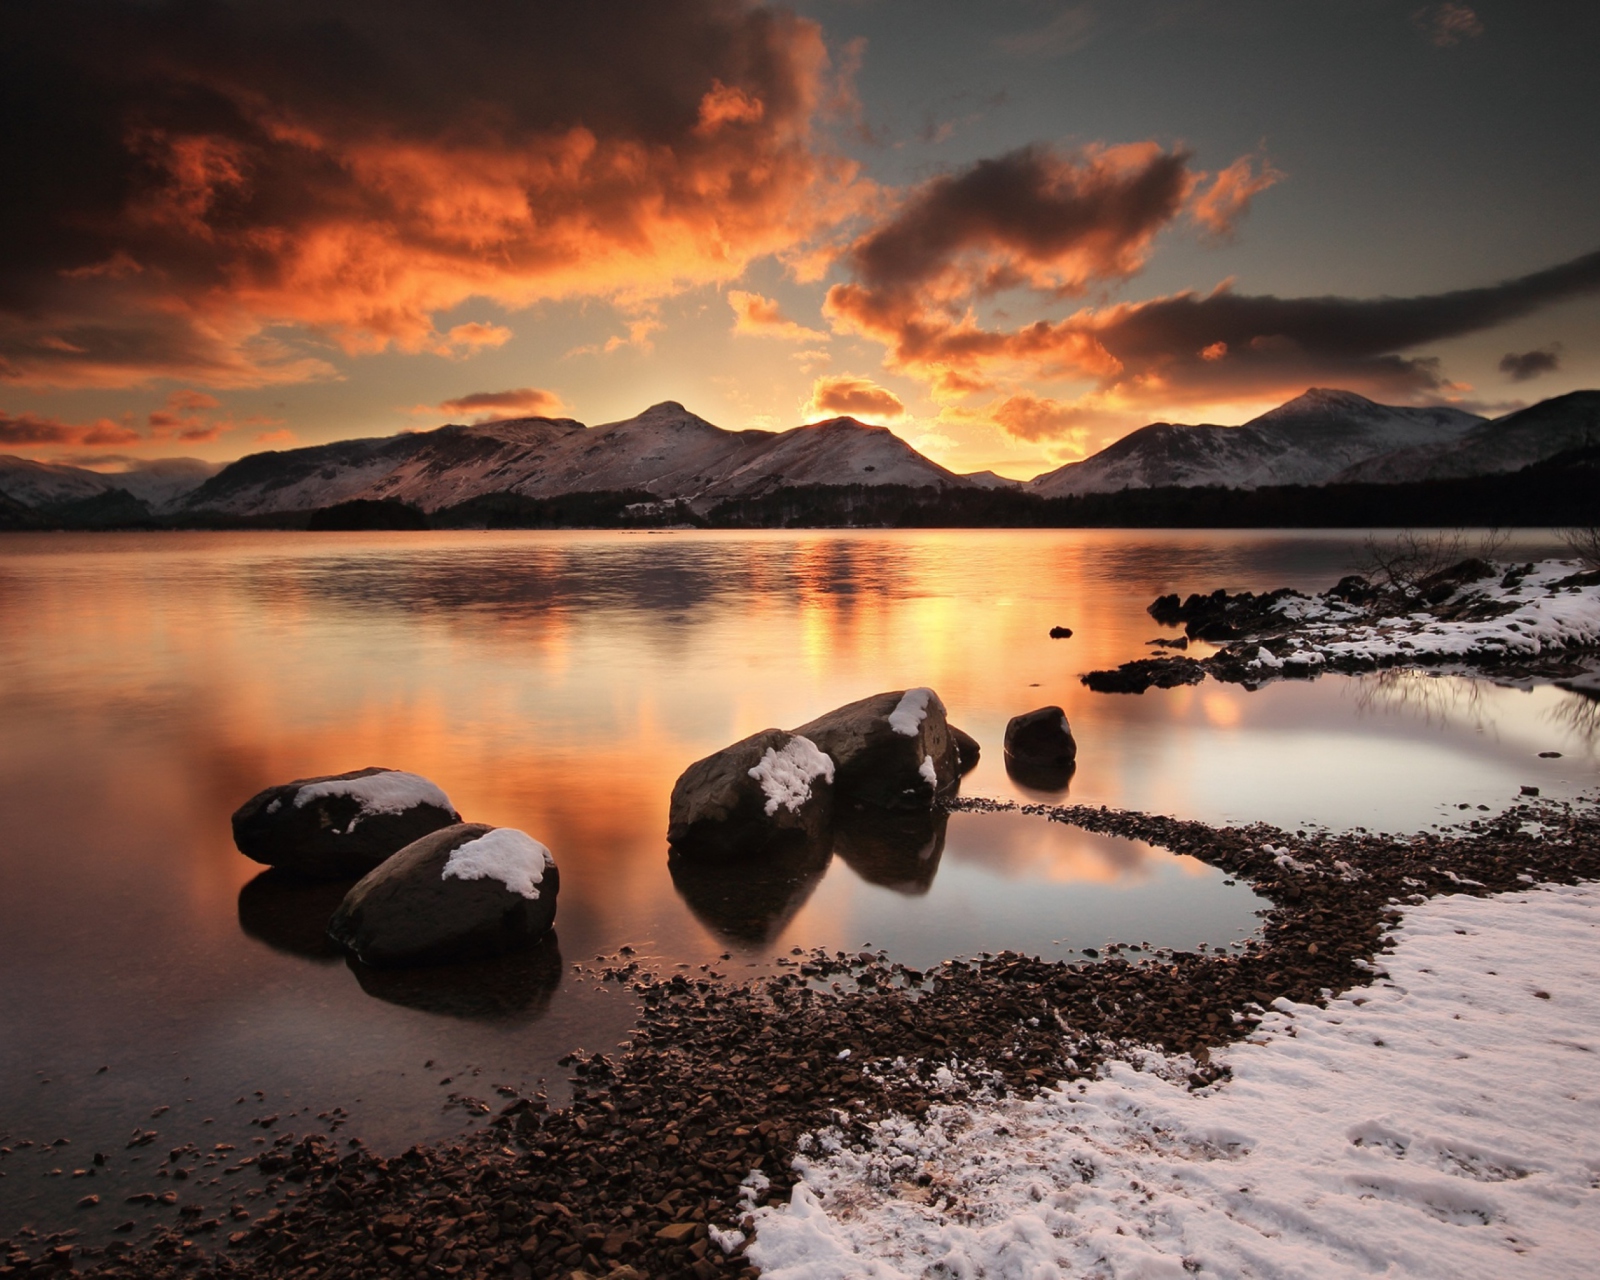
(340, 825)
(770, 788)
(464, 891)
(1041, 739)
(892, 750)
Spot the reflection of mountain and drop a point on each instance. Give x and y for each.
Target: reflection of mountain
(291, 915)
(512, 988)
(749, 900)
(899, 851)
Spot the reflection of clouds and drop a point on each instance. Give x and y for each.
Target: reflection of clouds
(1222, 709)
(1020, 846)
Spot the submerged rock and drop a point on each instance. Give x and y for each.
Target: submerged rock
(464, 891)
(1041, 739)
(893, 750)
(340, 825)
(772, 787)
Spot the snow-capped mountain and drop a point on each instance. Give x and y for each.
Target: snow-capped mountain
(1505, 444)
(1309, 440)
(666, 451)
(160, 482)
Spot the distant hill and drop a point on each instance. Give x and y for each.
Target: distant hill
(1510, 443)
(666, 452)
(668, 465)
(1310, 440)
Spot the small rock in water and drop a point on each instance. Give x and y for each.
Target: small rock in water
(1061, 633)
(1530, 791)
(1549, 755)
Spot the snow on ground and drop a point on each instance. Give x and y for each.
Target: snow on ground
(392, 791)
(1547, 618)
(512, 857)
(1444, 1122)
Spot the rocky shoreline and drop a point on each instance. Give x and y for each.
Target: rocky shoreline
(654, 1166)
(1524, 623)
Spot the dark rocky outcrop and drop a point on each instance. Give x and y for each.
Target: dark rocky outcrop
(770, 788)
(1041, 739)
(892, 750)
(340, 825)
(1145, 673)
(462, 892)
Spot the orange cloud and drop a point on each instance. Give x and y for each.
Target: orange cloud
(757, 315)
(467, 339)
(852, 396)
(26, 430)
(253, 199)
(532, 401)
(1220, 206)
(281, 436)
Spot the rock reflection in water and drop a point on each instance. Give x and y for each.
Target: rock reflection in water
(899, 851)
(513, 988)
(749, 900)
(291, 915)
(1052, 781)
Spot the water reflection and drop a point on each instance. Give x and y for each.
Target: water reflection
(1041, 781)
(291, 915)
(514, 988)
(898, 851)
(748, 901)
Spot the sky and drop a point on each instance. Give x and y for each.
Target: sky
(1010, 232)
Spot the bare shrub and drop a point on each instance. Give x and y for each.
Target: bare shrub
(1585, 544)
(1402, 563)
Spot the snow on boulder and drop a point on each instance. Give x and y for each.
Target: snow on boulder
(463, 891)
(341, 825)
(770, 787)
(893, 750)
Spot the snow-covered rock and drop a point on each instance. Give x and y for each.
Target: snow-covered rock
(893, 750)
(770, 788)
(465, 890)
(339, 825)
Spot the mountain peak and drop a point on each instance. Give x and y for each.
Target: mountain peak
(1320, 401)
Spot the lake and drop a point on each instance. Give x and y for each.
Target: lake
(559, 683)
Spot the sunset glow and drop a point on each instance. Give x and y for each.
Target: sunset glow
(1071, 245)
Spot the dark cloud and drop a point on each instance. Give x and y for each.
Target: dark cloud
(1448, 24)
(1530, 364)
(1032, 216)
(202, 172)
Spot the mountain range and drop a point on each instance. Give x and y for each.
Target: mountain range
(1321, 437)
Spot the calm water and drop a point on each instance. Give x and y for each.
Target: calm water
(559, 683)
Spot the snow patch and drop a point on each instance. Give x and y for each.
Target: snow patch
(928, 772)
(1443, 1127)
(512, 857)
(392, 791)
(786, 776)
(907, 717)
